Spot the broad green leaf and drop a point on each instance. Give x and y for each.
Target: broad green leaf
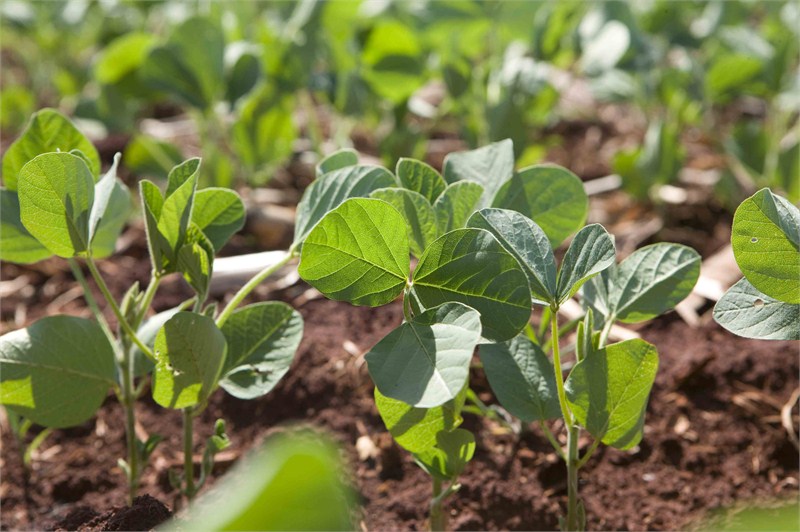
(219, 213)
(425, 362)
(418, 213)
(190, 65)
(195, 260)
(393, 57)
(522, 378)
(56, 191)
(16, 243)
(330, 190)
(243, 76)
(175, 216)
(608, 391)
(180, 174)
(147, 333)
(294, 482)
(420, 177)
(56, 372)
(527, 243)
(358, 253)
(471, 267)
(117, 212)
(766, 244)
(337, 160)
(453, 450)
(596, 292)
(745, 311)
(122, 56)
(262, 341)
(490, 166)
(652, 280)
(589, 253)
(190, 352)
(265, 131)
(146, 156)
(415, 429)
(551, 196)
(454, 206)
(48, 131)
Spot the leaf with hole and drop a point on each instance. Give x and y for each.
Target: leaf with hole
(425, 362)
(745, 311)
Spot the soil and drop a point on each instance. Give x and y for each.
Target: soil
(713, 438)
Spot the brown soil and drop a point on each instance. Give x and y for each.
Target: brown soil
(713, 437)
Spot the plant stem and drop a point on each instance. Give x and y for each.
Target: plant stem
(606, 331)
(589, 453)
(188, 461)
(149, 294)
(552, 440)
(562, 396)
(573, 466)
(251, 285)
(438, 518)
(123, 323)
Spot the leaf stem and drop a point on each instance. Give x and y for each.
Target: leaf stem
(117, 312)
(256, 280)
(149, 294)
(552, 439)
(606, 331)
(589, 453)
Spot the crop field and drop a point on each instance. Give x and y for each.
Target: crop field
(400, 265)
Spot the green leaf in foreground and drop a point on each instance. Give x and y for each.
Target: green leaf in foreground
(551, 196)
(453, 450)
(589, 253)
(471, 267)
(16, 243)
(415, 429)
(48, 131)
(490, 166)
(745, 311)
(455, 205)
(522, 378)
(293, 483)
(527, 243)
(766, 244)
(337, 160)
(190, 352)
(358, 253)
(608, 391)
(421, 178)
(219, 213)
(56, 192)
(57, 372)
(262, 341)
(418, 213)
(425, 362)
(330, 190)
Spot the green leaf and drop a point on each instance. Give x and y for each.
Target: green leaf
(190, 352)
(420, 177)
(122, 56)
(652, 280)
(415, 429)
(522, 378)
(190, 65)
(56, 372)
(337, 160)
(16, 243)
(454, 206)
(453, 450)
(608, 391)
(117, 212)
(147, 334)
(262, 341)
(393, 56)
(294, 482)
(56, 191)
(243, 76)
(425, 362)
(264, 133)
(152, 204)
(48, 131)
(490, 166)
(766, 244)
(195, 261)
(527, 243)
(729, 73)
(358, 253)
(103, 190)
(745, 311)
(219, 213)
(589, 253)
(469, 266)
(551, 196)
(330, 190)
(175, 215)
(418, 213)
(147, 156)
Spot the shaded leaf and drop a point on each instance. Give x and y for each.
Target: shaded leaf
(16, 243)
(589, 253)
(418, 213)
(490, 166)
(745, 311)
(454, 206)
(219, 213)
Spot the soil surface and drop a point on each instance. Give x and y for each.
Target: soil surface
(713, 437)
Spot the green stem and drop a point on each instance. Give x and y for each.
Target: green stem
(606, 331)
(572, 477)
(589, 453)
(250, 286)
(188, 461)
(438, 518)
(147, 301)
(552, 440)
(562, 396)
(117, 312)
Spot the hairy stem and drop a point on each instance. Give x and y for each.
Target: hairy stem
(573, 466)
(188, 461)
(438, 518)
(256, 280)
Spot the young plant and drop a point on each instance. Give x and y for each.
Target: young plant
(58, 371)
(765, 238)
